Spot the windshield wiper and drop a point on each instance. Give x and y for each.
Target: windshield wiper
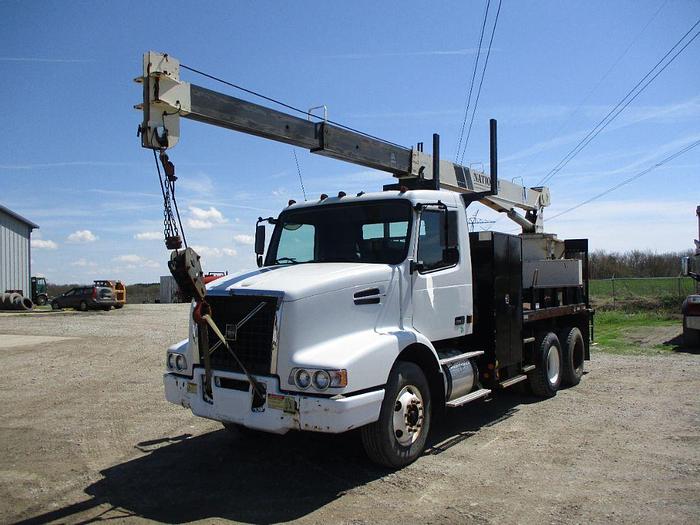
(291, 260)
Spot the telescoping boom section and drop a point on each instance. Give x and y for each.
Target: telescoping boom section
(166, 99)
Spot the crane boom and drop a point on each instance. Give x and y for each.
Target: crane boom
(166, 98)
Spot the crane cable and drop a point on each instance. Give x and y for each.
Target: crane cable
(621, 105)
(678, 153)
(167, 188)
(471, 84)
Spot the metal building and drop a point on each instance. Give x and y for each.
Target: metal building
(168, 289)
(15, 253)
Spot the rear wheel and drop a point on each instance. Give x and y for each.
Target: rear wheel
(55, 305)
(399, 436)
(83, 306)
(546, 378)
(572, 354)
(118, 306)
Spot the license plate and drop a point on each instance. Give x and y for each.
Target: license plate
(191, 388)
(284, 403)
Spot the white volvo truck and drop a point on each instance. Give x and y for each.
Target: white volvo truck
(375, 311)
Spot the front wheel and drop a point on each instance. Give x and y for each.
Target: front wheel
(55, 305)
(41, 300)
(83, 306)
(399, 436)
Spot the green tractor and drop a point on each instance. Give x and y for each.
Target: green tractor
(39, 291)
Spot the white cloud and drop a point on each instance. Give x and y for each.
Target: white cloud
(211, 214)
(196, 224)
(42, 244)
(84, 263)
(202, 219)
(214, 253)
(129, 258)
(82, 236)
(148, 236)
(136, 261)
(244, 239)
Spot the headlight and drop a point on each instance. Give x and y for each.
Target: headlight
(171, 361)
(180, 362)
(302, 378)
(322, 380)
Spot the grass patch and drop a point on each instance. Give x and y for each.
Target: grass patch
(641, 333)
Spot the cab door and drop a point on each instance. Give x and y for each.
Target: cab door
(441, 294)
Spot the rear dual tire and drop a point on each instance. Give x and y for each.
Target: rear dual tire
(545, 380)
(573, 356)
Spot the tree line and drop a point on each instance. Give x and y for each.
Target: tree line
(635, 263)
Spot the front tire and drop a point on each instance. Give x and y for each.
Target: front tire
(55, 305)
(41, 300)
(545, 380)
(399, 436)
(83, 306)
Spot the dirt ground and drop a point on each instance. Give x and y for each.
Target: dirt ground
(85, 435)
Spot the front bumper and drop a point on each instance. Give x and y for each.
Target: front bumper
(280, 413)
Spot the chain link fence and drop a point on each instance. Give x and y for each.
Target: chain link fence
(650, 291)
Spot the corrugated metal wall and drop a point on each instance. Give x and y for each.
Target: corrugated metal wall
(14, 254)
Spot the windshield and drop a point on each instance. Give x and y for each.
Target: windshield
(373, 232)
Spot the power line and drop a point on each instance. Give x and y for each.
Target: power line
(606, 74)
(622, 104)
(471, 84)
(683, 150)
(481, 82)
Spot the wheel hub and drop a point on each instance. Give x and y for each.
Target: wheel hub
(408, 415)
(553, 365)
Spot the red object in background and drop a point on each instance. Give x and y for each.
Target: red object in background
(213, 276)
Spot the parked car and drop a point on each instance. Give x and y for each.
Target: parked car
(85, 298)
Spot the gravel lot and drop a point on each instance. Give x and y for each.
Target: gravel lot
(85, 435)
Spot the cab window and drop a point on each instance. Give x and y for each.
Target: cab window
(433, 250)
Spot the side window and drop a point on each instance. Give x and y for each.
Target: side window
(433, 250)
(70, 292)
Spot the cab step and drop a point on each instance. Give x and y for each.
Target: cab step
(528, 368)
(477, 394)
(512, 381)
(461, 357)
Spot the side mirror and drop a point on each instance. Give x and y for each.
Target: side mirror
(260, 239)
(685, 266)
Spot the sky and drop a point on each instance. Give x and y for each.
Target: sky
(71, 162)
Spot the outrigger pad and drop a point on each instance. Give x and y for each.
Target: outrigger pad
(187, 271)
